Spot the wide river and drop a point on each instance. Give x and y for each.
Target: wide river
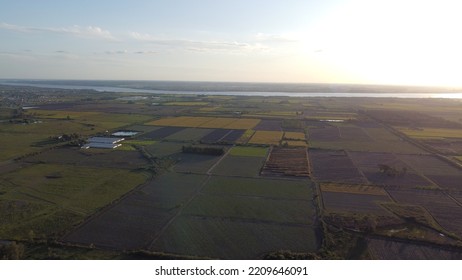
(245, 93)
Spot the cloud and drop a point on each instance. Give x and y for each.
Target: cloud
(85, 32)
(195, 45)
(280, 38)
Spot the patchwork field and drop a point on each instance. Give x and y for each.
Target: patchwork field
(266, 137)
(334, 166)
(287, 162)
(207, 122)
(245, 166)
(53, 197)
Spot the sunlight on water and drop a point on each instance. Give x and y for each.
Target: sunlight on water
(447, 95)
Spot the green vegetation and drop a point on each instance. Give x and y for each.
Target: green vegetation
(46, 199)
(249, 151)
(166, 194)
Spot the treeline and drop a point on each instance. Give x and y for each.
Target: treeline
(214, 151)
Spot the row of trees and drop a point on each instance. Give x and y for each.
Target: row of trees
(215, 151)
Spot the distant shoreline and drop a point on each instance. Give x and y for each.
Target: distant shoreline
(241, 89)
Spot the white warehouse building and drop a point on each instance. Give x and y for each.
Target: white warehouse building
(103, 142)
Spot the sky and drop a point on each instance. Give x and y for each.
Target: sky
(298, 41)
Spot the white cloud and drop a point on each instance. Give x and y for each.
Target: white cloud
(86, 32)
(196, 45)
(277, 38)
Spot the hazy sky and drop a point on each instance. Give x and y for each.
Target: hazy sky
(334, 41)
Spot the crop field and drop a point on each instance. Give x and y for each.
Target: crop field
(447, 182)
(91, 158)
(369, 163)
(208, 122)
(188, 135)
(251, 208)
(429, 165)
(334, 166)
(351, 133)
(445, 146)
(294, 136)
(229, 136)
(248, 151)
(186, 103)
(135, 221)
(354, 202)
(52, 193)
(287, 162)
(269, 125)
(161, 133)
(259, 187)
(245, 137)
(193, 163)
(323, 177)
(165, 149)
(243, 124)
(431, 133)
(239, 166)
(330, 133)
(382, 249)
(353, 189)
(444, 209)
(217, 122)
(217, 238)
(266, 137)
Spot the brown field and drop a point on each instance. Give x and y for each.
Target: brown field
(442, 207)
(355, 203)
(217, 122)
(287, 162)
(334, 166)
(383, 249)
(368, 163)
(266, 137)
(207, 122)
(294, 136)
(351, 188)
(242, 124)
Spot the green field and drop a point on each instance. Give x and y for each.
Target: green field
(227, 239)
(270, 188)
(252, 208)
(249, 151)
(189, 135)
(49, 191)
(239, 166)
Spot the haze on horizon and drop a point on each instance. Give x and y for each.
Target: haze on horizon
(332, 41)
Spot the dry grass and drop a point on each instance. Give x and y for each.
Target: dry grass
(207, 122)
(266, 137)
(294, 136)
(354, 189)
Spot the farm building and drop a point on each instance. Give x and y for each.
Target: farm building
(103, 143)
(124, 133)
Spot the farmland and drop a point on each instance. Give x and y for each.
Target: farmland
(233, 177)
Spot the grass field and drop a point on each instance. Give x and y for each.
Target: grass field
(208, 122)
(58, 196)
(187, 103)
(266, 137)
(217, 238)
(432, 133)
(269, 188)
(252, 208)
(294, 136)
(291, 143)
(249, 151)
(188, 135)
(246, 136)
(239, 166)
(349, 188)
